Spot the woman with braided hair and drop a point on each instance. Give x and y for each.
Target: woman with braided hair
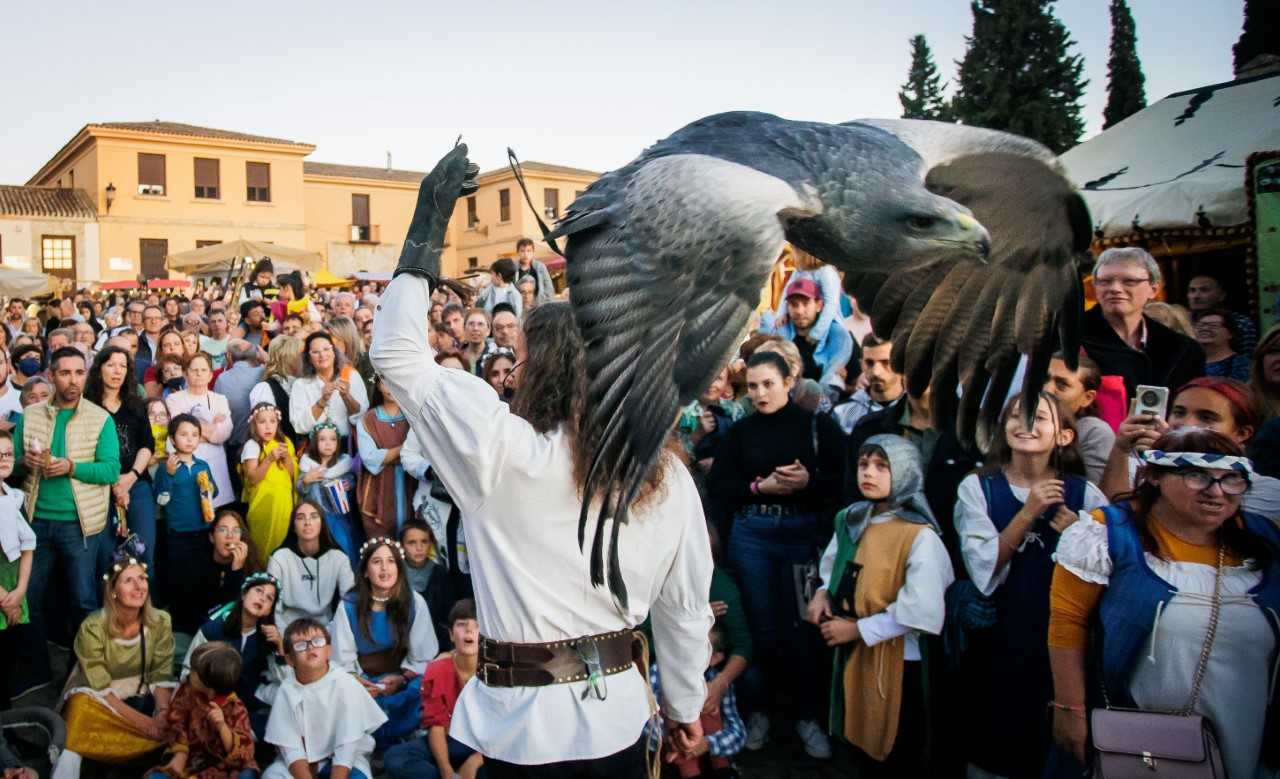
(383, 634)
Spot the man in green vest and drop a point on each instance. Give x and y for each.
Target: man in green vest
(70, 454)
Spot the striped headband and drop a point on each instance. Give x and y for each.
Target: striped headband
(1197, 460)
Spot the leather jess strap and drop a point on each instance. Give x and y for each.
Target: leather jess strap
(505, 664)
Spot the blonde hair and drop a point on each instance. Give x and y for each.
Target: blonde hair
(283, 354)
(789, 351)
(1170, 315)
(111, 614)
(344, 329)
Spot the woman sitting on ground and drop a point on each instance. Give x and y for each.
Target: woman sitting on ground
(120, 689)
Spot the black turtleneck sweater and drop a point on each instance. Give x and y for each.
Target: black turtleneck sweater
(758, 443)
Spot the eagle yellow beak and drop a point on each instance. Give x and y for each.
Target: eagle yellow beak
(975, 233)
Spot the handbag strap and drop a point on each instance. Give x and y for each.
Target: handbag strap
(1214, 612)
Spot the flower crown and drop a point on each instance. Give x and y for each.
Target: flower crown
(370, 546)
(259, 577)
(122, 564)
(270, 408)
(324, 424)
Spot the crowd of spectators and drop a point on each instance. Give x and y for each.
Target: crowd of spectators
(216, 504)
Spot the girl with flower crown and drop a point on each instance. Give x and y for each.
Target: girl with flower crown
(325, 477)
(383, 633)
(269, 466)
(248, 625)
(119, 692)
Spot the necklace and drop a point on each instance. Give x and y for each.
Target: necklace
(377, 599)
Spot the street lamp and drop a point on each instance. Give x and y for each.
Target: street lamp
(111, 196)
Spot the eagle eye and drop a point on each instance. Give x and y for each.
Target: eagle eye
(921, 222)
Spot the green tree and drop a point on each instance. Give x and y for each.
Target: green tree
(1126, 86)
(1018, 73)
(1259, 17)
(922, 95)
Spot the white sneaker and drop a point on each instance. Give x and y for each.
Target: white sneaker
(816, 743)
(757, 731)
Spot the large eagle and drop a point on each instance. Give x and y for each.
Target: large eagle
(961, 243)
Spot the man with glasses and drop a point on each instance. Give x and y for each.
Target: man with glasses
(1121, 339)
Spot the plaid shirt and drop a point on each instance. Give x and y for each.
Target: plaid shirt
(726, 742)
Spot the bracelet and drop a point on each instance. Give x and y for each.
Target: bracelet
(1080, 709)
(755, 487)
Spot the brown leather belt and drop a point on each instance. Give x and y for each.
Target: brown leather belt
(505, 664)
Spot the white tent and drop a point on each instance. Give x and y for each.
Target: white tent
(1179, 163)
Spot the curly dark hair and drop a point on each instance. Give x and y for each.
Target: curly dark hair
(94, 388)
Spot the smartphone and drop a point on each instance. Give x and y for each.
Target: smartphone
(1151, 400)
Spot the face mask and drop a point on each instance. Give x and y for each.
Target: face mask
(29, 366)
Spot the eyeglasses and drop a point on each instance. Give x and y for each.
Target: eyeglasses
(1128, 282)
(317, 642)
(6, 456)
(234, 532)
(1230, 484)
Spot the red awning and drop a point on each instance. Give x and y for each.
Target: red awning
(167, 283)
(126, 284)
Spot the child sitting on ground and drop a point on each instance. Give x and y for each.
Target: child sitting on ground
(724, 734)
(439, 754)
(209, 733)
(322, 720)
(427, 576)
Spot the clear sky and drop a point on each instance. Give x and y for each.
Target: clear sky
(587, 83)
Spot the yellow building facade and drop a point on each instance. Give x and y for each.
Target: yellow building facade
(161, 188)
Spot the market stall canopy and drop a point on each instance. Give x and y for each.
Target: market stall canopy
(217, 258)
(323, 278)
(1180, 162)
(24, 284)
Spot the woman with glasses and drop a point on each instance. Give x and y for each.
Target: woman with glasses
(1152, 575)
(385, 491)
(1217, 333)
(312, 569)
(234, 557)
(214, 414)
(111, 385)
(329, 388)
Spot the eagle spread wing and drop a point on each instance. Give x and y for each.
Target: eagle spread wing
(666, 258)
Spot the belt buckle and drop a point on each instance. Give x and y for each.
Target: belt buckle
(589, 654)
(484, 672)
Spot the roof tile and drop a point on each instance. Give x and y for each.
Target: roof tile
(177, 128)
(48, 202)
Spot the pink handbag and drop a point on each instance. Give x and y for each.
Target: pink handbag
(1132, 743)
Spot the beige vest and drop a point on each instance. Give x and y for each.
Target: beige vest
(83, 429)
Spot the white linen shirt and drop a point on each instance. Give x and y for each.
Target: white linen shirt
(305, 392)
(515, 487)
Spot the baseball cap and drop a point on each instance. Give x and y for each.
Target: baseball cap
(804, 287)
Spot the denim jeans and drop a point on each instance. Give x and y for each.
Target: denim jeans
(413, 760)
(60, 544)
(140, 518)
(764, 550)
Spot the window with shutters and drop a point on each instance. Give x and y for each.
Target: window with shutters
(207, 178)
(551, 203)
(473, 263)
(360, 228)
(150, 174)
(258, 177)
(58, 255)
(472, 219)
(504, 205)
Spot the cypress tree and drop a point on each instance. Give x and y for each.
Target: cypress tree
(1261, 20)
(922, 95)
(1019, 75)
(1126, 86)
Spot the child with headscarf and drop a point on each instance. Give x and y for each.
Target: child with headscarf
(884, 579)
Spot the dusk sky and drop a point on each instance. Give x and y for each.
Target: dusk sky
(580, 83)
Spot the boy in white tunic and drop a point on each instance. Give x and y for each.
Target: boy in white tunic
(322, 720)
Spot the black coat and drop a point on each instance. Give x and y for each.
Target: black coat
(1168, 359)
